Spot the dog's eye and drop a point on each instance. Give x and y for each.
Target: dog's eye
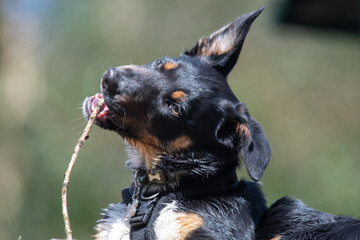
(159, 63)
(175, 109)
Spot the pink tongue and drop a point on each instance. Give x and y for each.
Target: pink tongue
(94, 100)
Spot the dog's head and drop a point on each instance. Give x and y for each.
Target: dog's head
(177, 110)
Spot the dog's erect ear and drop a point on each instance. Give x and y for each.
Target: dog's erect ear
(222, 48)
(240, 131)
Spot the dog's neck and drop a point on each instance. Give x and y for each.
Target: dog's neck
(199, 163)
(148, 188)
(189, 185)
(188, 173)
(184, 169)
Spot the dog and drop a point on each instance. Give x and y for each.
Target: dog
(186, 133)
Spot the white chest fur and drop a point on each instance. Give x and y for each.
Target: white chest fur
(170, 225)
(113, 226)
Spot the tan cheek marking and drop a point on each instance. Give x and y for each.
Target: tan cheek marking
(148, 150)
(277, 237)
(169, 65)
(179, 95)
(180, 143)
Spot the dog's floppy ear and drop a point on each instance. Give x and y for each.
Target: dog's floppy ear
(240, 131)
(222, 48)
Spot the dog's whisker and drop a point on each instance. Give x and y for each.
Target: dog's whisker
(77, 119)
(80, 125)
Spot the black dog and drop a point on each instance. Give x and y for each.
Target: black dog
(185, 130)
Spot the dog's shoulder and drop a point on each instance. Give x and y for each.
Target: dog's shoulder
(213, 217)
(178, 217)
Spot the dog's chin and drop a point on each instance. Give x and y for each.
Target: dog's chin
(106, 118)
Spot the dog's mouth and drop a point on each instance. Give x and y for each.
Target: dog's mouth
(106, 118)
(90, 104)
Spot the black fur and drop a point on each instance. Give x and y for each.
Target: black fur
(292, 219)
(179, 116)
(223, 220)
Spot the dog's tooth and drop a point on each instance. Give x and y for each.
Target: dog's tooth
(98, 95)
(94, 100)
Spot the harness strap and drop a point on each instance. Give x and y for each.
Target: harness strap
(139, 223)
(137, 233)
(141, 208)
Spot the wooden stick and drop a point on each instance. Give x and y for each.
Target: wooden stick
(65, 186)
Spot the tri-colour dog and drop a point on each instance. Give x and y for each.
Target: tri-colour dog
(185, 130)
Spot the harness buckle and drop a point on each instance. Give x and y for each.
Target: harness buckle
(144, 210)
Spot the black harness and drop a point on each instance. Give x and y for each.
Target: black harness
(142, 200)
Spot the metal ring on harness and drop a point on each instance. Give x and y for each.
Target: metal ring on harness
(150, 197)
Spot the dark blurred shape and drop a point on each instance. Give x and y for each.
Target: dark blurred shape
(331, 14)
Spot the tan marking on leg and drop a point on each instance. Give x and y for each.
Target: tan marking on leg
(179, 95)
(170, 65)
(188, 222)
(173, 225)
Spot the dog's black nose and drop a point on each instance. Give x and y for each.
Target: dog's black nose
(109, 82)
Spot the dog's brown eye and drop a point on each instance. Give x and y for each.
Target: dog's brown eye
(175, 109)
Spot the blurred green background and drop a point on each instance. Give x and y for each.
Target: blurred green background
(301, 83)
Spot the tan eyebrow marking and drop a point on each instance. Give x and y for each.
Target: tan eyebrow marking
(179, 95)
(169, 65)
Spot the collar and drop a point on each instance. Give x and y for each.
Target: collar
(135, 212)
(159, 177)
